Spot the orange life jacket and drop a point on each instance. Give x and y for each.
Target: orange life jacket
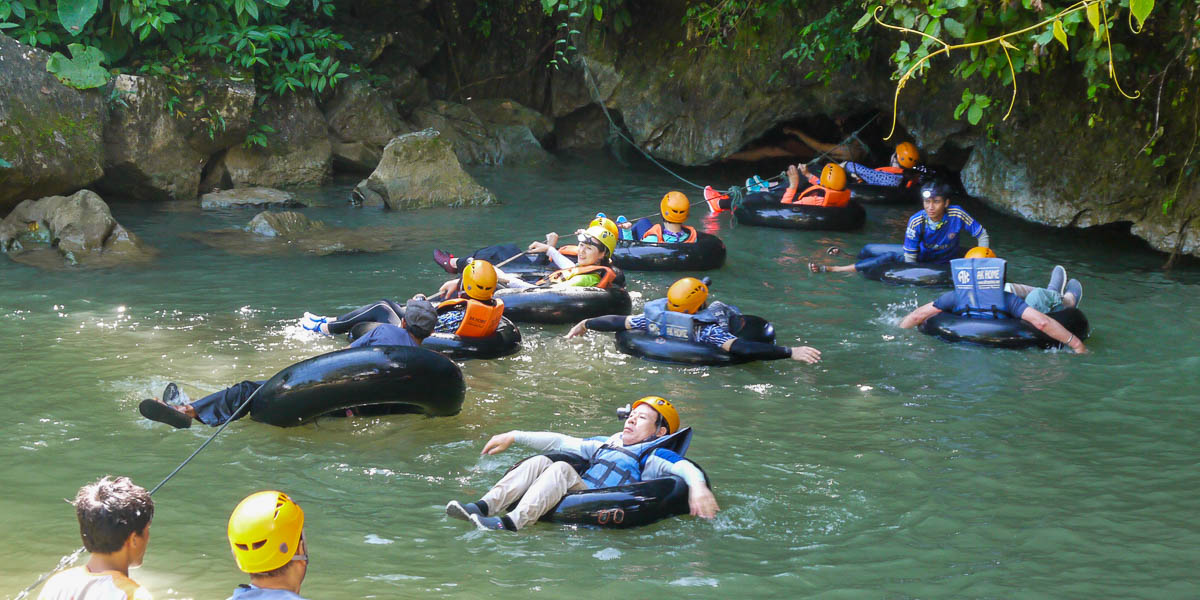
(910, 176)
(569, 250)
(606, 275)
(810, 197)
(891, 169)
(657, 231)
(479, 319)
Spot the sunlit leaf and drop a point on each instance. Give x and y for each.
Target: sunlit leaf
(1060, 34)
(1093, 16)
(863, 20)
(1141, 9)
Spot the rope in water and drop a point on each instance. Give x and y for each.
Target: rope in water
(70, 559)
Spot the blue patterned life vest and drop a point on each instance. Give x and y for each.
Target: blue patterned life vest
(613, 465)
(682, 326)
(979, 287)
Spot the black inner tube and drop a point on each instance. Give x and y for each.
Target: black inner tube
(505, 341)
(558, 306)
(1003, 333)
(683, 352)
(704, 254)
(918, 274)
(764, 209)
(884, 194)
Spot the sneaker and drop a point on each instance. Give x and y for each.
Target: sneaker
(462, 511)
(173, 396)
(1075, 289)
(756, 184)
(1058, 279)
(714, 198)
(445, 260)
(491, 523)
(162, 413)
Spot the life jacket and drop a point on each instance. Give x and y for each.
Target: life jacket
(607, 275)
(613, 464)
(979, 288)
(813, 196)
(910, 178)
(479, 318)
(657, 231)
(682, 326)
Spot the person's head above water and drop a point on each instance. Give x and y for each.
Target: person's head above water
(266, 535)
(479, 280)
(649, 417)
(935, 195)
(595, 245)
(606, 223)
(674, 207)
(833, 176)
(906, 155)
(420, 317)
(980, 252)
(687, 295)
(114, 518)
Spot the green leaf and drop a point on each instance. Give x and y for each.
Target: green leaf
(863, 20)
(8, 25)
(1060, 34)
(74, 14)
(1093, 16)
(954, 28)
(1141, 9)
(279, 3)
(17, 9)
(252, 9)
(598, 12)
(82, 71)
(974, 114)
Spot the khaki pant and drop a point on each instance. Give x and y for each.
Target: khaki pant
(539, 483)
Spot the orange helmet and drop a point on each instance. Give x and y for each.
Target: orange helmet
(833, 176)
(980, 252)
(674, 207)
(663, 407)
(687, 295)
(907, 155)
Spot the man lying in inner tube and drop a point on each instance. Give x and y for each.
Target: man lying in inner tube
(979, 293)
(674, 209)
(827, 190)
(175, 408)
(683, 315)
(905, 169)
(634, 454)
(932, 235)
(471, 312)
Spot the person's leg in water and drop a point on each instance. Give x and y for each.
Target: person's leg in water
(538, 483)
(870, 256)
(213, 409)
(383, 311)
(494, 254)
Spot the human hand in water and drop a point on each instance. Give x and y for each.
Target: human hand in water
(499, 443)
(702, 503)
(579, 329)
(807, 354)
(794, 176)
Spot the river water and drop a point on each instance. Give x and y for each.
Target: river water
(899, 467)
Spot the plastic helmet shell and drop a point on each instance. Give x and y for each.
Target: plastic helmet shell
(833, 176)
(606, 223)
(264, 531)
(687, 295)
(981, 252)
(674, 207)
(907, 155)
(479, 279)
(663, 407)
(600, 234)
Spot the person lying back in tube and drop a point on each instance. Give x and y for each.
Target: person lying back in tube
(472, 312)
(500, 254)
(683, 314)
(905, 169)
(635, 454)
(827, 190)
(177, 410)
(674, 209)
(932, 235)
(979, 293)
(592, 268)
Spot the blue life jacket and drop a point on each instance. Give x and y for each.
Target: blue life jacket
(672, 324)
(611, 465)
(979, 287)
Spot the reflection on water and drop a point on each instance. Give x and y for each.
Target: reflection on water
(900, 466)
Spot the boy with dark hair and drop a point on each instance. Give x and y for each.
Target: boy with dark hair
(114, 522)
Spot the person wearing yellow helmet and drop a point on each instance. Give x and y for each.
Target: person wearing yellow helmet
(266, 536)
(685, 314)
(649, 446)
(904, 169)
(592, 266)
(674, 209)
(474, 313)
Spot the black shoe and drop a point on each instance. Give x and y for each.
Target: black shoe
(493, 523)
(462, 511)
(157, 411)
(173, 396)
(445, 260)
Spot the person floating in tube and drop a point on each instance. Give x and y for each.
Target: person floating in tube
(931, 237)
(500, 254)
(266, 535)
(472, 312)
(177, 410)
(998, 302)
(685, 303)
(905, 169)
(674, 209)
(637, 453)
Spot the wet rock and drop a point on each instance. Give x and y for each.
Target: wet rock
(420, 170)
(298, 153)
(472, 140)
(51, 134)
(361, 122)
(283, 224)
(77, 230)
(584, 129)
(518, 146)
(405, 86)
(502, 112)
(276, 233)
(254, 196)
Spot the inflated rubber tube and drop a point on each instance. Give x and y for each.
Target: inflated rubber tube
(563, 305)
(704, 254)
(918, 274)
(884, 194)
(623, 506)
(403, 375)
(1003, 333)
(505, 341)
(764, 209)
(641, 344)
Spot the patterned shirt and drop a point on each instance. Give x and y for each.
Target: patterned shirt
(709, 333)
(925, 241)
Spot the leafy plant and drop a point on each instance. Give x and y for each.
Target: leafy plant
(81, 71)
(258, 136)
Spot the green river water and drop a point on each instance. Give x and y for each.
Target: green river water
(899, 467)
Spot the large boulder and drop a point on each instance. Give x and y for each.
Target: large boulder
(158, 139)
(361, 122)
(276, 233)
(253, 196)
(504, 112)
(473, 141)
(50, 133)
(69, 230)
(420, 170)
(298, 153)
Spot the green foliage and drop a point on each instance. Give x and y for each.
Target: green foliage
(82, 71)
(973, 105)
(258, 136)
(570, 11)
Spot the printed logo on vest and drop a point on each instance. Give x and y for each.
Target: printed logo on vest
(964, 277)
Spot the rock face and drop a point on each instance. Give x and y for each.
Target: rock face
(69, 230)
(420, 170)
(274, 233)
(49, 133)
(502, 112)
(255, 196)
(361, 122)
(472, 140)
(297, 154)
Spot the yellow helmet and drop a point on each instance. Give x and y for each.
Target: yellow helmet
(907, 155)
(674, 207)
(663, 407)
(606, 223)
(981, 252)
(606, 238)
(479, 279)
(833, 176)
(264, 531)
(687, 295)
